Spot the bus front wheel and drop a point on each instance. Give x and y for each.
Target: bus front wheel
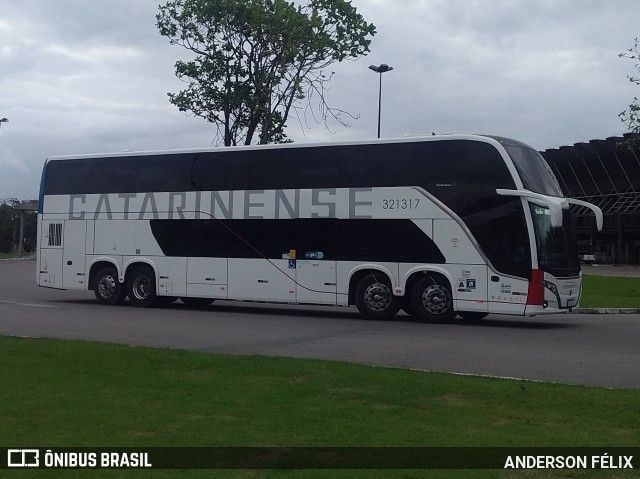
(107, 288)
(375, 299)
(432, 300)
(141, 287)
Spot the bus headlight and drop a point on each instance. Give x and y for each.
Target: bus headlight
(551, 287)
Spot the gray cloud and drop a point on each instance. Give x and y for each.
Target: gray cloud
(87, 77)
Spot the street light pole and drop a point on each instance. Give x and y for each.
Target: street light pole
(380, 69)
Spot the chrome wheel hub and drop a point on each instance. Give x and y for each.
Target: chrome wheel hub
(141, 288)
(436, 299)
(377, 297)
(107, 286)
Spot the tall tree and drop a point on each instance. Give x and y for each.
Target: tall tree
(9, 221)
(631, 116)
(256, 61)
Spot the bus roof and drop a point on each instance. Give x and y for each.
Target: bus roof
(408, 139)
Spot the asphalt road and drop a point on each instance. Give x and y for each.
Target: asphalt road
(599, 350)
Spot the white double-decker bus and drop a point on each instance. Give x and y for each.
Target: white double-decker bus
(437, 226)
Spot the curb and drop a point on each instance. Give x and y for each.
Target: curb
(607, 311)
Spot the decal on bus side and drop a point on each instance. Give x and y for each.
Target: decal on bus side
(338, 203)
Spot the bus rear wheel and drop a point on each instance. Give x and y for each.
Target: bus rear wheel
(432, 300)
(141, 287)
(107, 288)
(375, 299)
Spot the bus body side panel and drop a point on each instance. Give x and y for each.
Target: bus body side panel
(50, 253)
(469, 284)
(262, 280)
(316, 282)
(38, 246)
(466, 267)
(207, 278)
(171, 275)
(507, 295)
(50, 272)
(73, 260)
(114, 237)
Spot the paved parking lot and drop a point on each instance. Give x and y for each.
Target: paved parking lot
(629, 271)
(590, 349)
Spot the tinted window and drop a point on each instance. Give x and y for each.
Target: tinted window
(535, 173)
(499, 227)
(123, 174)
(557, 247)
(65, 177)
(458, 172)
(349, 240)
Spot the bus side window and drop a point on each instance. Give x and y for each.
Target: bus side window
(500, 230)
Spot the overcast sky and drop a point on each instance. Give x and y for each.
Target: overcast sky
(91, 76)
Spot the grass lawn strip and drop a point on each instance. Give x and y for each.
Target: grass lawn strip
(58, 393)
(610, 292)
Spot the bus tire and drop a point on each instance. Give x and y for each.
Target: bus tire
(375, 299)
(432, 300)
(197, 302)
(141, 287)
(472, 315)
(107, 288)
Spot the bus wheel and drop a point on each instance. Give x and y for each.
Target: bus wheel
(375, 299)
(197, 302)
(472, 315)
(141, 287)
(432, 300)
(107, 288)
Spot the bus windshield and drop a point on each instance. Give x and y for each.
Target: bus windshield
(535, 173)
(557, 247)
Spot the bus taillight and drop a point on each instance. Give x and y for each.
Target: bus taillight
(535, 296)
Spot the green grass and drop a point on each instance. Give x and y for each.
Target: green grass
(610, 292)
(13, 254)
(57, 393)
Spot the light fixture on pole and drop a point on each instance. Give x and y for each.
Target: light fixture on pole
(380, 69)
(3, 120)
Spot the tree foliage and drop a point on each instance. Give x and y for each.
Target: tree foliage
(10, 227)
(631, 116)
(256, 61)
